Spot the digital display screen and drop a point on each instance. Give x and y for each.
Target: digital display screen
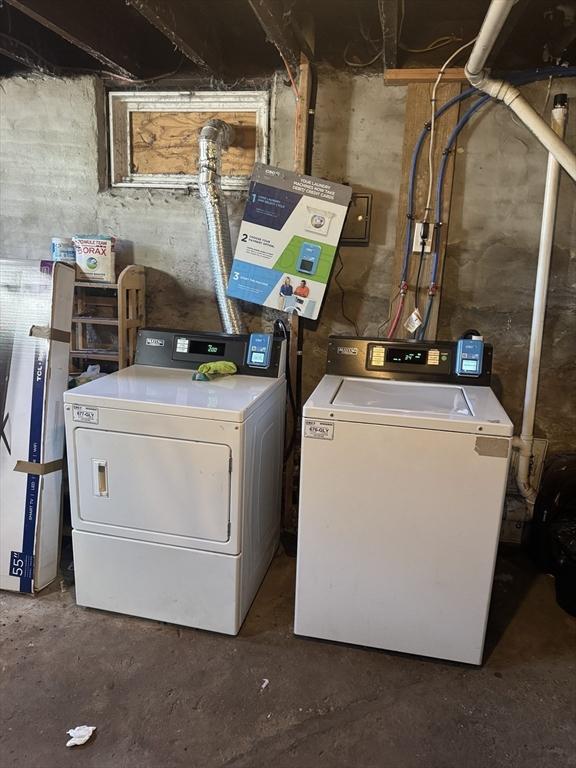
(470, 366)
(212, 348)
(306, 265)
(410, 356)
(257, 357)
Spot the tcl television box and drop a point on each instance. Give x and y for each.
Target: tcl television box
(36, 313)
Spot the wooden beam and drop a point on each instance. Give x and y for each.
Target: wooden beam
(389, 20)
(296, 343)
(184, 24)
(417, 115)
(23, 54)
(407, 76)
(302, 115)
(90, 26)
(303, 28)
(279, 31)
(38, 48)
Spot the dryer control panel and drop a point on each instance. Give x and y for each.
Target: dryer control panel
(257, 354)
(408, 360)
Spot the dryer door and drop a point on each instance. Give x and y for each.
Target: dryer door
(156, 485)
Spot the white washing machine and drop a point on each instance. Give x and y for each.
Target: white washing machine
(403, 475)
(175, 484)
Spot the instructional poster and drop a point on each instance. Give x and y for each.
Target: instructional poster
(287, 240)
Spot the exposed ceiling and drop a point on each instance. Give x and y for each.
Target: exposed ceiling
(134, 41)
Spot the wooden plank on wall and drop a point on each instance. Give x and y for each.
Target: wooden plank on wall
(407, 76)
(302, 115)
(167, 142)
(417, 115)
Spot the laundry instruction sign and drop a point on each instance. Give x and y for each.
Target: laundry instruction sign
(287, 240)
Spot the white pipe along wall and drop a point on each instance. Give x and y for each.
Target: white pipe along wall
(524, 443)
(500, 90)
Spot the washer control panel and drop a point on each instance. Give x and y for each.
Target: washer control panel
(388, 357)
(405, 360)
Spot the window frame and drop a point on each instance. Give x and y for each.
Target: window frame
(122, 104)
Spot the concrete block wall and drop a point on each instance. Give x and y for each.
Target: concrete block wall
(52, 182)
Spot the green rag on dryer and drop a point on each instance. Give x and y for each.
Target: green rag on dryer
(220, 368)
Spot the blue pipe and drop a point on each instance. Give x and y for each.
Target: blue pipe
(520, 79)
(438, 208)
(412, 178)
(442, 173)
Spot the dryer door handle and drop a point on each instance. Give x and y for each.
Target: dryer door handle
(100, 477)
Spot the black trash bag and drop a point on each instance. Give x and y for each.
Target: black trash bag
(553, 538)
(564, 553)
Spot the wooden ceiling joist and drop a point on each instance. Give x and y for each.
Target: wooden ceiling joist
(184, 25)
(88, 26)
(279, 30)
(389, 20)
(23, 54)
(37, 48)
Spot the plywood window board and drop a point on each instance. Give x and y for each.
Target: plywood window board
(154, 136)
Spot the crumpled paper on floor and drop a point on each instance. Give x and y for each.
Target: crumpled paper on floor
(80, 735)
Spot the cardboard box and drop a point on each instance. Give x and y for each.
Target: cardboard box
(36, 299)
(287, 240)
(515, 521)
(95, 258)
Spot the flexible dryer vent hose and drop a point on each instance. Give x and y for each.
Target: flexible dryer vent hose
(216, 136)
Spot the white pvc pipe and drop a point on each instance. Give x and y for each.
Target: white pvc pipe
(555, 145)
(511, 96)
(559, 120)
(494, 20)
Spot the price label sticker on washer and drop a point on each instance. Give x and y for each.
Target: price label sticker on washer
(84, 414)
(320, 430)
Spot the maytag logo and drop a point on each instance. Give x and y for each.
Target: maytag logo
(347, 350)
(154, 342)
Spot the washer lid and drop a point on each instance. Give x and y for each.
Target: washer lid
(448, 407)
(172, 391)
(406, 397)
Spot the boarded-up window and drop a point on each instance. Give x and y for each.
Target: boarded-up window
(154, 136)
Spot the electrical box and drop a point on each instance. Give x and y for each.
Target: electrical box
(417, 242)
(356, 231)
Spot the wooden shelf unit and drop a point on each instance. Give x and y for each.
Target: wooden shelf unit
(120, 306)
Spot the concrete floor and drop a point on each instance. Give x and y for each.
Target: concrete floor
(164, 696)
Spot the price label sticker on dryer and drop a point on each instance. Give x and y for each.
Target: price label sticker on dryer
(84, 414)
(320, 430)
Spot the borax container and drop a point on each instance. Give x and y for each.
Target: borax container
(95, 258)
